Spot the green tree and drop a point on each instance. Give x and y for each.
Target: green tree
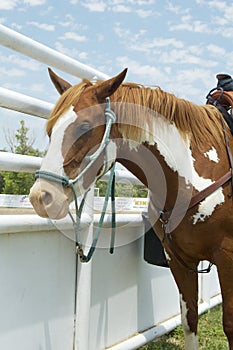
(123, 190)
(1, 183)
(14, 182)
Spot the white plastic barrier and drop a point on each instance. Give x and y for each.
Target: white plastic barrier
(125, 301)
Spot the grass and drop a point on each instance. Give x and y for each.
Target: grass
(211, 335)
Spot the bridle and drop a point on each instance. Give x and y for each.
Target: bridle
(110, 117)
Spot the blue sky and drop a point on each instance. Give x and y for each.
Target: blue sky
(178, 45)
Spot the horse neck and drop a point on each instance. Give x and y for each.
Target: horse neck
(141, 134)
(147, 164)
(137, 109)
(166, 138)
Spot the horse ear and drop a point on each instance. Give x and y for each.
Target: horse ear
(108, 87)
(60, 84)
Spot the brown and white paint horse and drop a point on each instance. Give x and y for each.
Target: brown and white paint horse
(176, 149)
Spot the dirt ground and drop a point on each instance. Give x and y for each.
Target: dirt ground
(16, 211)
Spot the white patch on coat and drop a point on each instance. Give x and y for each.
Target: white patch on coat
(54, 159)
(212, 155)
(178, 156)
(207, 206)
(191, 339)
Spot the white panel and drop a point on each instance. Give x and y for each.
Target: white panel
(37, 291)
(128, 294)
(37, 274)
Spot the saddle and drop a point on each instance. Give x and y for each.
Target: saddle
(222, 98)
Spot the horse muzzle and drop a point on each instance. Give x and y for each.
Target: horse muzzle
(50, 200)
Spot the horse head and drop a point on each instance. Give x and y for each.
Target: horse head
(76, 128)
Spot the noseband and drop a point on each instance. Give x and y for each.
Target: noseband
(66, 182)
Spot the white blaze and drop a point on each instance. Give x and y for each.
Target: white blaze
(54, 159)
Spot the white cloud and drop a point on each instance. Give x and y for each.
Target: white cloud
(83, 55)
(219, 5)
(216, 50)
(47, 10)
(176, 8)
(37, 87)
(16, 26)
(185, 57)
(12, 72)
(25, 63)
(220, 20)
(15, 60)
(71, 52)
(196, 49)
(195, 75)
(44, 26)
(186, 23)
(138, 42)
(141, 2)
(144, 13)
(34, 2)
(121, 8)
(73, 36)
(146, 72)
(95, 6)
(223, 16)
(8, 4)
(228, 33)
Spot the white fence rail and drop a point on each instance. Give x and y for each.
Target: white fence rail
(48, 300)
(22, 103)
(42, 53)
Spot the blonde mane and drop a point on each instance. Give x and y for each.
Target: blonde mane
(197, 123)
(194, 122)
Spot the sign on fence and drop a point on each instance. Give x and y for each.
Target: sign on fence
(123, 204)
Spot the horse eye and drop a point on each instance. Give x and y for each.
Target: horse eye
(82, 129)
(84, 126)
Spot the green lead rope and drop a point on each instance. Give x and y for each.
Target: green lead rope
(76, 224)
(113, 208)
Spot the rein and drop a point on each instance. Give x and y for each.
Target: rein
(66, 182)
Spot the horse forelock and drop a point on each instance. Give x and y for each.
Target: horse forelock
(67, 99)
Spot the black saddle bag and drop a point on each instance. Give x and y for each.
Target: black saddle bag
(153, 249)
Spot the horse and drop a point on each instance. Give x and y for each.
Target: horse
(176, 148)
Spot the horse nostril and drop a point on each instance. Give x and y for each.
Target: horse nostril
(46, 198)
